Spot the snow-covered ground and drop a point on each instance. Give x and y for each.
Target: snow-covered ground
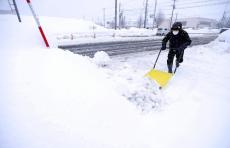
(65, 31)
(202, 31)
(54, 98)
(95, 33)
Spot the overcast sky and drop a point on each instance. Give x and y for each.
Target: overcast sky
(93, 9)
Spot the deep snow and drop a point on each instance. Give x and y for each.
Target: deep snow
(54, 98)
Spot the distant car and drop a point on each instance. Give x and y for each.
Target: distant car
(162, 31)
(224, 29)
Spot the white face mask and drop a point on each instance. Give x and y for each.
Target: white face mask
(175, 32)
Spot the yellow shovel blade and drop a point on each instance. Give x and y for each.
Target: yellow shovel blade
(160, 77)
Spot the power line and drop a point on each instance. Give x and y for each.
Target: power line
(181, 3)
(192, 2)
(134, 13)
(205, 5)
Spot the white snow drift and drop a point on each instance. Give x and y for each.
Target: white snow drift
(54, 98)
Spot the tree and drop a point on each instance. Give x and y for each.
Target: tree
(228, 22)
(224, 22)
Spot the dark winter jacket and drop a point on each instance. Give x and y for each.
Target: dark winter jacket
(179, 41)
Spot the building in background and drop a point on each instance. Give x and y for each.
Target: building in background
(195, 23)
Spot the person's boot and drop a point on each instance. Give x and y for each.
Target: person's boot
(169, 68)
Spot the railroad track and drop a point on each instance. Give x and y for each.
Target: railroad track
(125, 47)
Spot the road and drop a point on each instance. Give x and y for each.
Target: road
(125, 47)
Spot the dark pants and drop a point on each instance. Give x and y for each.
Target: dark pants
(171, 55)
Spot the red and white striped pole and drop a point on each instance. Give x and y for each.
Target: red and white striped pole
(38, 23)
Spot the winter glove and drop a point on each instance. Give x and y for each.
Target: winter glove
(163, 47)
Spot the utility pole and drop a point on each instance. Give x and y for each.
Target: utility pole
(154, 14)
(115, 21)
(104, 17)
(174, 2)
(146, 13)
(119, 15)
(176, 17)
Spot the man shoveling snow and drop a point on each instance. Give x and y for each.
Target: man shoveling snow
(178, 42)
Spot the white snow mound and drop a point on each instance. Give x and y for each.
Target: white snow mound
(224, 37)
(101, 58)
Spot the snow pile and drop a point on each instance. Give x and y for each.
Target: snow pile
(222, 44)
(143, 93)
(136, 32)
(101, 58)
(224, 37)
(202, 31)
(14, 34)
(54, 98)
(61, 29)
(131, 83)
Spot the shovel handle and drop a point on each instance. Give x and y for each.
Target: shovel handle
(157, 59)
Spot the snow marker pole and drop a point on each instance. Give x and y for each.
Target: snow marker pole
(157, 59)
(38, 23)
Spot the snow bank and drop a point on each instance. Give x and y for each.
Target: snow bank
(16, 35)
(136, 32)
(224, 37)
(222, 44)
(54, 98)
(202, 31)
(60, 31)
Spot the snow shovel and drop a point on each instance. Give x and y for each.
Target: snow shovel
(160, 77)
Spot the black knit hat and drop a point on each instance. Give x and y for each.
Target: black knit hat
(176, 26)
